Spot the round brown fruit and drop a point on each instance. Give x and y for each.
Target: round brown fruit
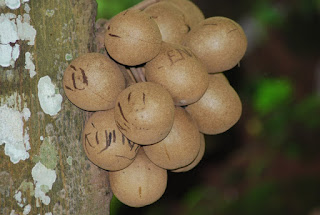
(144, 112)
(180, 147)
(140, 184)
(132, 38)
(178, 70)
(105, 145)
(170, 20)
(219, 108)
(196, 161)
(193, 15)
(219, 42)
(92, 82)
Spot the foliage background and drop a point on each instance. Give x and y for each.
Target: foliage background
(269, 162)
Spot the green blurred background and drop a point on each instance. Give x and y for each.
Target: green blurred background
(269, 162)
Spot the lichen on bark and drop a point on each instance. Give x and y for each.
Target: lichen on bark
(64, 28)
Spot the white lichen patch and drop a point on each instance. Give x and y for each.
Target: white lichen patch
(9, 54)
(26, 188)
(50, 101)
(13, 4)
(26, 209)
(13, 134)
(15, 52)
(8, 29)
(5, 55)
(9, 51)
(68, 57)
(13, 212)
(29, 65)
(12, 29)
(49, 13)
(17, 197)
(27, 8)
(43, 180)
(25, 30)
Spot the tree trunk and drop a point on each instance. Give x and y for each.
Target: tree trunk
(43, 167)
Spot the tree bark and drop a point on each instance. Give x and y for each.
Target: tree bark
(64, 31)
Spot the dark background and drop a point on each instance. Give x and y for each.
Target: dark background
(269, 162)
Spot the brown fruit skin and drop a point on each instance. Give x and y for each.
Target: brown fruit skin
(197, 160)
(140, 184)
(219, 108)
(92, 82)
(180, 147)
(170, 20)
(193, 15)
(219, 42)
(105, 145)
(133, 38)
(144, 112)
(178, 70)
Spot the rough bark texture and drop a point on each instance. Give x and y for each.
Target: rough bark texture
(64, 28)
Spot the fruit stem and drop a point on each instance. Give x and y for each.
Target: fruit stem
(138, 74)
(144, 4)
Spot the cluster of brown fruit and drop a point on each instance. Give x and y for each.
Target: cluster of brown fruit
(138, 131)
